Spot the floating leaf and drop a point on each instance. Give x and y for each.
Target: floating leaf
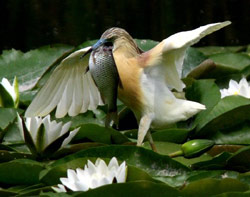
(30, 66)
(235, 61)
(135, 188)
(7, 116)
(146, 45)
(227, 113)
(209, 186)
(212, 50)
(152, 163)
(239, 134)
(240, 160)
(171, 135)
(100, 134)
(192, 59)
(166, 148)
(20, 171)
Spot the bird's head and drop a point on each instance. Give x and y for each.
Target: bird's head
(118, 39)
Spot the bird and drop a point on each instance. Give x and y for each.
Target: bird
(147, 77)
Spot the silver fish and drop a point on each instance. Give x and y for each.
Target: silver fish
(105, 75)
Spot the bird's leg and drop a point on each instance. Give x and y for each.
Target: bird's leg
(144, 126)
(151, 142)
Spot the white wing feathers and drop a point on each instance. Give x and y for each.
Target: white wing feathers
(69, 89)
(174, 49)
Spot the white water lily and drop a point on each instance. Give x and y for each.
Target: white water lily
(242, 88)
(11, 90)
(93, 176)
(52, 131)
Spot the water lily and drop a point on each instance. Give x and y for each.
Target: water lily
(9, 94)
(93, 176)
(43, 132)
(242, 88)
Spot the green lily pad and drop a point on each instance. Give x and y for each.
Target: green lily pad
(210, 186)
(153, 163)
(30, 66)
(135, 188)
(52, 175)
(166, 148)
(235, 61)
(171, 135)
(240, 160)
(218, 162)
(12, 155)
(192, 59)
(146, 45)
(20, 171)
(100, 134)
(239, 134)
(7, 116)
(227, 113)
(212, 50)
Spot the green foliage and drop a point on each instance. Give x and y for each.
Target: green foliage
(222, 171)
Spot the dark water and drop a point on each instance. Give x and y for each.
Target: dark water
(27, 24)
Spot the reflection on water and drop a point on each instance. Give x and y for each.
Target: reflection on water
(32, 23)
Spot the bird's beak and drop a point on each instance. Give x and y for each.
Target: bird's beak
(95, 46)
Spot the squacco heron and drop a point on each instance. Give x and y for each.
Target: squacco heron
(147, 79)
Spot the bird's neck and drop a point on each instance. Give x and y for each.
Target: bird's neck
(127, 47)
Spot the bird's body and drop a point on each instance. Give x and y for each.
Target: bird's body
(147, 79)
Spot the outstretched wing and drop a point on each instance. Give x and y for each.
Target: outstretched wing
(168, 55)
(69, 89)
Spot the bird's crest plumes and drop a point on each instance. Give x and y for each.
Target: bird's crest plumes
(120, 37)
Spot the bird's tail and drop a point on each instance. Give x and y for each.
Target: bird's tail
(191, 108)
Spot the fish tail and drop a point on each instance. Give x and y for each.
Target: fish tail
(111, 119)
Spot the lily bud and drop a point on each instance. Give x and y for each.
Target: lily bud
(193, 148)
(9, 94)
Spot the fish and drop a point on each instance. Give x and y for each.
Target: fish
(104, 72)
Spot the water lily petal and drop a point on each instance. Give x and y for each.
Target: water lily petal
(65, 128)
(60, 188)
(10, 89)
(121, 173)
(242, 88)
(69, 183)
(53, 133)
(233, 85)
(102, 168)
(70, 137)
(113, 163)
(93, 176)
(33, 125)
(92, 169)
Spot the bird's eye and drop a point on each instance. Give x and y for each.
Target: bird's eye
(108, 44)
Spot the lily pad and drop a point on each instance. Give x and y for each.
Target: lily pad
(146, 45)
(96, 133)
(239, 134)
(153, 163)
(30, 66)
(240, 160)
(20, 171)
(136, 188)
(171, 135)
(210, 186)
(7, 116)
(227, 113)
(212, 50)
(235, 61)
(192, 59)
